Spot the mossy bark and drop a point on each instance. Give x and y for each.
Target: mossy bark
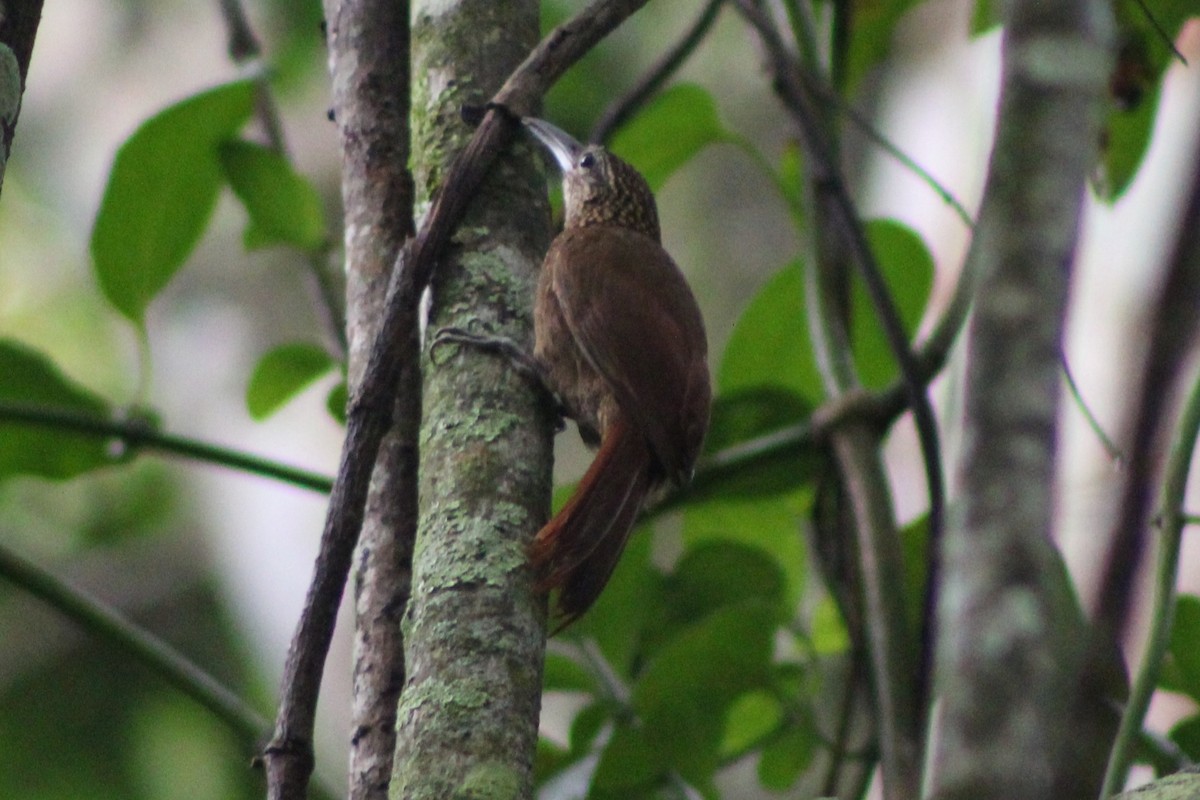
(474, 629)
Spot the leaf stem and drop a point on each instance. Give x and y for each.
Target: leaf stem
(167, 662)
(137, 434)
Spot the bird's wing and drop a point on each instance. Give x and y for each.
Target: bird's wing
(632, 314)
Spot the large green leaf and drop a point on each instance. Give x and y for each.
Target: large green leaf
(688, 686)
(770, 345)
(161, 193)
(29, 379)
(675, 126)
(770, 525)
(786, 757)
(283, 205)
(908, 270)
(282, 373)
(719, 573)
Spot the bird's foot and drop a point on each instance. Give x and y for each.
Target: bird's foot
(525, 364)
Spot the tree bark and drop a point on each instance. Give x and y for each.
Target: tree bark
(369, 65)
(1011, 631)
(18, 27)
(474, 630)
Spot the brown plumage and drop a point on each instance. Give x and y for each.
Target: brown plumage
(619, 338)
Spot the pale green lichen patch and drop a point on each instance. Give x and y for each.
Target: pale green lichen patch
(493, 780)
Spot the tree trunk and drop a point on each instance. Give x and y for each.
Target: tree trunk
(474, 629)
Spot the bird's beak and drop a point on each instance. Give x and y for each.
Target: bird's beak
(561, 144)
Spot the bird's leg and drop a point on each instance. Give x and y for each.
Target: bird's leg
(526, 365)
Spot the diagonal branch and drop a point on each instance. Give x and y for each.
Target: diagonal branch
(620, 111)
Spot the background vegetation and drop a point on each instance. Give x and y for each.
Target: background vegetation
(172, 308)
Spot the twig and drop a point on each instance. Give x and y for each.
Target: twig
(1158, 28)
(1105, 440)
(1162, 609)
(162, 659)
(289, 758)
(135, 435)
(619, 112)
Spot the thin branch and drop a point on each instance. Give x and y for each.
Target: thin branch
(289, 757)
(1172, 333)
(1158, 28)
(158, 656)
(1101, 435)
(620, 111)
(138, 435)
(1163, 606)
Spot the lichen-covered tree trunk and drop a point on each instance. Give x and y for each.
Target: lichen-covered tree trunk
(474, 629)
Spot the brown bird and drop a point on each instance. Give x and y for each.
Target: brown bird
(620, 341)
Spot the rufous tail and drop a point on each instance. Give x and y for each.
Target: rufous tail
(578, 549)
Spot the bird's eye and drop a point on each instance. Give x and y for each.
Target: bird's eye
(587, 160)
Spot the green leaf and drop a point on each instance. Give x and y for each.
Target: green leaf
(1126, 140)
(751, 717)
(284, 207)
(564, 674)
(1186, 734)
(32, 380)
(586, 726)
(671, 129)
(161, 193)
(770, 525)
(687, 687)
(628, 760)
(1181, 673)
(827, 629)
(984, 17)
(873, 29)
(908, 271)
(770, 345)
(784, 759)
(336, 401)
(282, 373)
(720, 573)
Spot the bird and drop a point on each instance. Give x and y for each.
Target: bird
(619, 341)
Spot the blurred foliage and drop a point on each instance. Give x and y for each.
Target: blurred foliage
(713, 642)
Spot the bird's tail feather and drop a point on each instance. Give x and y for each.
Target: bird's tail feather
(578, 549)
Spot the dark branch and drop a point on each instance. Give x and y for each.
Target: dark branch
(619, 112)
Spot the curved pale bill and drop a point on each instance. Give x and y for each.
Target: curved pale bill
(561, 144)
